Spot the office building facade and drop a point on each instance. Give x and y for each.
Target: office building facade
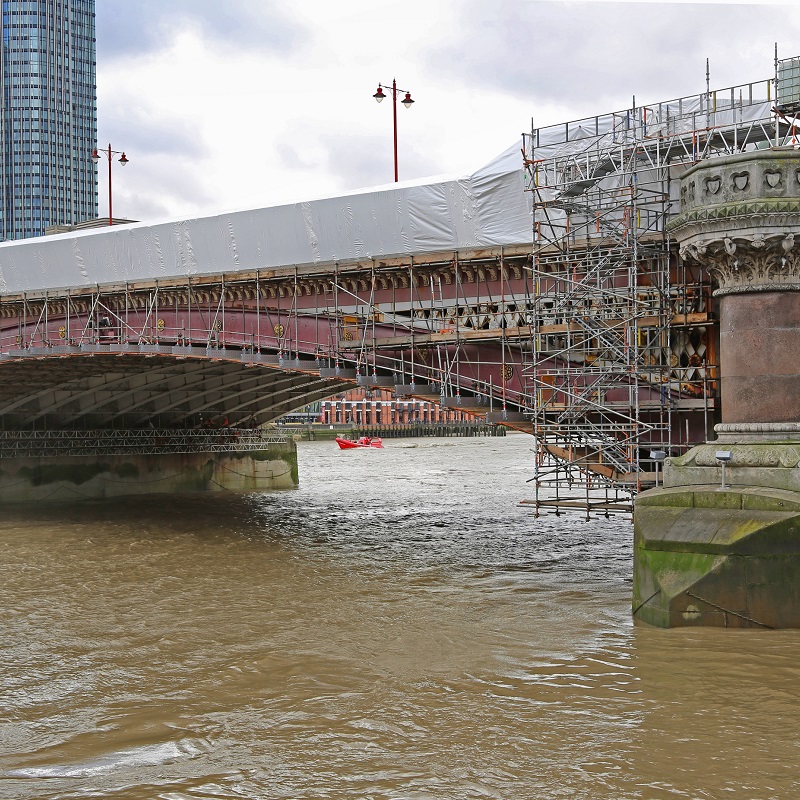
(48, 120)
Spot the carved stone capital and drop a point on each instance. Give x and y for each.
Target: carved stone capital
(739, 218)
(754, 263)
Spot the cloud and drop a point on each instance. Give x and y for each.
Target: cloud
(598, 54)
(149, 188)
(141, 130)
(356, 160)
(251, 103)
(136, 28)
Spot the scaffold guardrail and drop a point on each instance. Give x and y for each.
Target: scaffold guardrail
(99, 443)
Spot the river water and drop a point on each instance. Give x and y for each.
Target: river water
(397, 627)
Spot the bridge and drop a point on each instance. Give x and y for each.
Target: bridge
(542, 292)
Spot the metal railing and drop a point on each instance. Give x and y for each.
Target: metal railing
(99, 443)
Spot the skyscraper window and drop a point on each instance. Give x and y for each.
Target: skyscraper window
(41, 134)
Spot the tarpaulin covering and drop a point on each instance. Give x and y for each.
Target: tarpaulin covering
(488, 208)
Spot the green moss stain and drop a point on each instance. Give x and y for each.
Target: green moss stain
(671, 572)
(291, 461)
(774, 500)
(735, 565)
(76, 473)
(287, 453)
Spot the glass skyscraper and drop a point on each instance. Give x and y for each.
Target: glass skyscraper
(48, 120)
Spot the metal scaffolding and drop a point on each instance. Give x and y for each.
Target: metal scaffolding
(118, 442)
(623, 362)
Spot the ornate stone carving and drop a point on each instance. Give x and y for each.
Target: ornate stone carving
(743, 455)
(770, 210)
(748, 264)
(742, 226)
(740, 180)
(757, 427)
(773, 178)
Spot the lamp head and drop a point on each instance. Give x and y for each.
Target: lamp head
(123, 159)
(379, 95)
(95, 155)
(407, 101)
(723, 455)
(658, 455)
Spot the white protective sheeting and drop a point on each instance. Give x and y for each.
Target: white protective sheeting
(485, 209)
(488, 208)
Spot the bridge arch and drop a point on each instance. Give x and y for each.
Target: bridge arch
(123, 389)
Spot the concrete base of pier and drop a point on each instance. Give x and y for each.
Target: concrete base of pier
(68, 478)
(706, 556)
(723, 549)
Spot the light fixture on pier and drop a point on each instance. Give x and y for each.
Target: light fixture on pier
(658, 457)
(723, 456)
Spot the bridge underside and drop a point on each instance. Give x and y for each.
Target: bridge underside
(110, 421)
(123, 389)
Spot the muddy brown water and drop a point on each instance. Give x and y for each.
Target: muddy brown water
(397, 627)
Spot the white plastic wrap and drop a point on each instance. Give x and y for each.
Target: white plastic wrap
(487, 208)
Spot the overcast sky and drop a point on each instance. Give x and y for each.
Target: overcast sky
(249, 103)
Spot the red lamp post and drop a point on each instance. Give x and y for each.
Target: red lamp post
(123, 159)
(407, 102)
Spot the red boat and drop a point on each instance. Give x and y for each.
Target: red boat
(364, 441)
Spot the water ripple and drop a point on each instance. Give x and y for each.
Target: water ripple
(398, 627)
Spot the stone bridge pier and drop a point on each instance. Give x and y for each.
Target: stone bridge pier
(719, 543)
(114, 420)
